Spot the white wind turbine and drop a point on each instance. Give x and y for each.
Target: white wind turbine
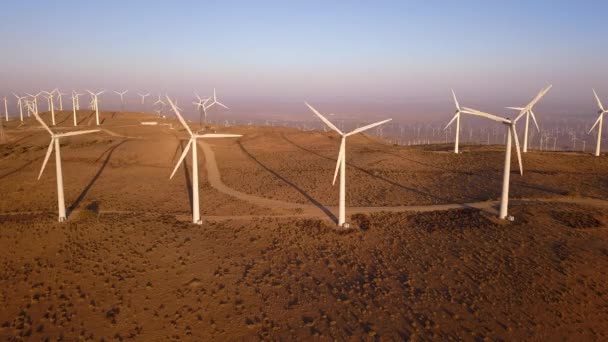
(49, 98)
(96, 104)
(59, 98)
(77, 95)
(5, 108)
(74, 103)
(143, 97)
(122, 101)
(598, 123)
(35, 104)
(341, 162)
(161, 103)
(56, 146)
(192, 144)
(213, 103)
(201, 104)
(457, 118)
(511, 134)
(20, 104)
(527, 110)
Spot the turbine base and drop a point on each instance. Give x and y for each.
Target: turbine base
(62, 219)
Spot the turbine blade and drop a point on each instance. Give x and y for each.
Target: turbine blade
(339, 162)
(485, 115)
(70, 134)
(449, 123)
(517, 149)
(43, 123)
(365, 128)
(49, 150)
(327, 122)
(599, 103)
(179, 116)
(515, 108)
(534, 119)
(596, 122)
(455, 101)
(181, 158)
(223, 105)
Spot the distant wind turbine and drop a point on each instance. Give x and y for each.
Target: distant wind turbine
(122, 101)
(143, 97)
(56, 146)
(511, 134)
(457, 118)
(95, 101)
(20, 105)
(527, 110)
(49, 98)
(599, 124)
(341, 163)
(192, 144)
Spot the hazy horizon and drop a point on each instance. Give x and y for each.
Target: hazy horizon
(388, 58)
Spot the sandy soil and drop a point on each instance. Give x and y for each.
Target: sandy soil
(127, 263)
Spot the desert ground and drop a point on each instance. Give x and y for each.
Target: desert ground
(426, 258)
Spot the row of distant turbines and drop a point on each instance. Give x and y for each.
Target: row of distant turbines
(529, 113)
(28, 103)
(510, 126)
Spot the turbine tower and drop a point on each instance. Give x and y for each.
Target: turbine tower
(511, 135)
(96, 104)
(457, 118)
(341, 163)
(598, 123)
(527, 110)
(56, 146)
(192, 144)
(5, 109)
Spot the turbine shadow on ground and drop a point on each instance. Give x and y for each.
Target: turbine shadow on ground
(290, 183)
(84, 192)
(86, 118)
(19, 168)
(444, 200)
(470, 173)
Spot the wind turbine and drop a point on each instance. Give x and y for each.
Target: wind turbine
(143, 97)
(35, 97)
(213, 103)
(598, 123)
(49, 98)
(201, 105)
(159, 102)
(192, 144)
(96, 104)
(121, 94)
(512, 134)
(341, 163)
(457, 118)
(74, 103)
(527, 110)
(5, 109)
(20, 104)
(77, 95)
(56, 146)
(60, 98)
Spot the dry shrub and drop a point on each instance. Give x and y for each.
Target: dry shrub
(360, 221)
(576, 219)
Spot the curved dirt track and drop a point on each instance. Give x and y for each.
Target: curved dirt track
(304, 210)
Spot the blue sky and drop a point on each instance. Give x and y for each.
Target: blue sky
(398, 56)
